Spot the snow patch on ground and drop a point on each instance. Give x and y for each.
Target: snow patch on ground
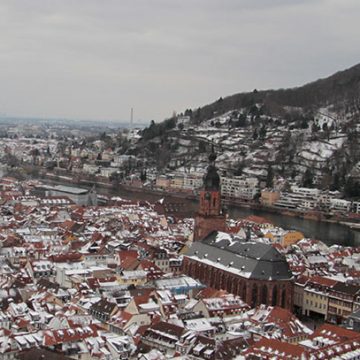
(321, 151)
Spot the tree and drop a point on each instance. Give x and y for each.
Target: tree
(335, 184)
(241, 120)
(304, 123)
(239, 168)
(352, 187)
(202, 147)
(270, 177)
(253, 111)
(198, 116)
(188, 112)
(308, 178)
(255, 134)
(315, 128)
(262, 132)
(143, 176)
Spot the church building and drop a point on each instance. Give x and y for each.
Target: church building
(257, 272)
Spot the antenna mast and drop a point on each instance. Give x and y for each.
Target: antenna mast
(131, 118)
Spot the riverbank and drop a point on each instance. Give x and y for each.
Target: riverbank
(329, 231)
(181, 196)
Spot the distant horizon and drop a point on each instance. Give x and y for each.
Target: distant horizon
(4, 116)
(69, 119)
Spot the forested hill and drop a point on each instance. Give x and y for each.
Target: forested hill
(340, 90)
(308, 134)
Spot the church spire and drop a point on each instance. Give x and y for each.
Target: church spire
(210, 217)
(212, 178)
(212, 156)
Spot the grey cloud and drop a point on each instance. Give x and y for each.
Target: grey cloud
(97, 58)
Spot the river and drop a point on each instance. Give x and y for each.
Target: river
(329, 233)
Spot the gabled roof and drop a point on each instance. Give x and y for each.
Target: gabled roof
(104, 306)
(323, 281)
(284, 320)
(55, 337)
(273, 349)
(346, 288)
(168, 328)
(41, 354)
(335, 333)
(248, 259)
(210, 293)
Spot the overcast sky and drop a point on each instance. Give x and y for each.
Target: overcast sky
(91, 59)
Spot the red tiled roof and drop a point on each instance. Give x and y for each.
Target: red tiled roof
(142, 299)
(56, 337)
(258, 219)
(278, 246)
(284, 320)
(274, 349)
(69, 257)
(322, 281)
(303, 279)
(147, 265)
(335, 333)
(211, 293)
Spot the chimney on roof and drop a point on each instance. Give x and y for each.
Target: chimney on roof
(248, 233)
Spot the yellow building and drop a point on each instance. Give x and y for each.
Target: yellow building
(291, 237)
(316, 296)
(136, 278)
(177, 182)
(284, 239)
(268, 198)
(162, 181)
(315, 301)
(275, 239)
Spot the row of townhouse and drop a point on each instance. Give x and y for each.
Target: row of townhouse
(236, 187)
(305, 199)
(109, 165)
(331, 300)
(180, 181)
(239, 187)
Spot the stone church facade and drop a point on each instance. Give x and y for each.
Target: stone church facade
(257, 272)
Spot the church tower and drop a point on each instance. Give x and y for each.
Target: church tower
(210, 216)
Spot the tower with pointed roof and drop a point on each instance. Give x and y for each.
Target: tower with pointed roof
(210, 216)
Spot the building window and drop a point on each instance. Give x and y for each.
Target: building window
(274, 296)
(254, 295)
(264, 295)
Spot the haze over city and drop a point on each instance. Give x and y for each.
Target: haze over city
(94, 59)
